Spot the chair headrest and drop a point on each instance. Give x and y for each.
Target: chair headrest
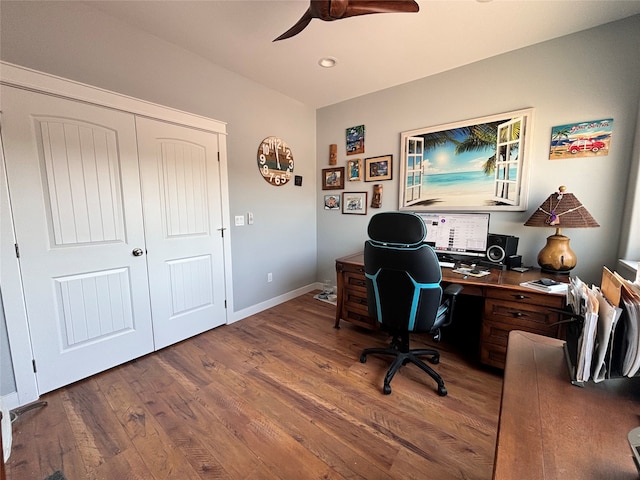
(398, 228)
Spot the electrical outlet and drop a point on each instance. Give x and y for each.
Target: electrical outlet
(269, 277)
(239, 220)
(250, 218)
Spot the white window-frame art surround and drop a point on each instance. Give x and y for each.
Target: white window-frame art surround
(471, 165)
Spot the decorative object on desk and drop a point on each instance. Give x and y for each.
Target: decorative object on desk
(478, 164)
(354, 170)
(376, 199)
(585, 139)
(354, 203)
(546, 285)
(333, 178)
(560, 210)
(333, 154)
(378, 168)
(332, 202)
(355, 140)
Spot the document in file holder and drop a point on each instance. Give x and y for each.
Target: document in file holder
(604, 342)
(607, 320)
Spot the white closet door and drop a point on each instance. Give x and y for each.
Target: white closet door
(183, 216)
(74, 184)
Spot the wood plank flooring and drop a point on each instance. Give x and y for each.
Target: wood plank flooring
(279, 395)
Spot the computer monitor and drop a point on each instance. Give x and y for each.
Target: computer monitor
(457, 234)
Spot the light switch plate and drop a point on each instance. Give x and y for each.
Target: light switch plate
(239, 220)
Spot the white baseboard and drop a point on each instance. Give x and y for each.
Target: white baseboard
(272, 302)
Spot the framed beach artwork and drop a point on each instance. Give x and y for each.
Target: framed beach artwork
(584, 139)
(478, 164)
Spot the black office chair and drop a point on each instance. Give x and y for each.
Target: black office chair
(404, 292)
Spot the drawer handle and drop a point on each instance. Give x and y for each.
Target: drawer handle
(520, 297)
(519, 314)
(361, 270)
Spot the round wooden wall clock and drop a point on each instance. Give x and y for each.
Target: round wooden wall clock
(275, 161)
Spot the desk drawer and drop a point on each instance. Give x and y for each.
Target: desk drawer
(354, 300)
(356, 282)
(495, 338)
(533, 298)
(521, 315)
(497, 333)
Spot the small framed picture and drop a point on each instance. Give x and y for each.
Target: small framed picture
(355, 140)
(354, 170)
(333, 178)
(354, 203)
(378, 168)
(332, 202)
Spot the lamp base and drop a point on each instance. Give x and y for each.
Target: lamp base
(556, 256)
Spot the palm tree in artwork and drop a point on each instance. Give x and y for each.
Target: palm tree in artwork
(485, 135)
(480, 137)
(559, 135)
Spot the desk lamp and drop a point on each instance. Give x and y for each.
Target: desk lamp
(560, 210)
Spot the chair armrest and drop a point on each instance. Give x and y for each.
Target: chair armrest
(453, 290)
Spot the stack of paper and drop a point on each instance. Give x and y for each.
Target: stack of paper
(585, 300)
(608, 344)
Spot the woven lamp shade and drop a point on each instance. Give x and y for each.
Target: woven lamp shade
(568, 212)
(560, 210)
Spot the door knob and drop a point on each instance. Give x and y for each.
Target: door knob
(137, 252)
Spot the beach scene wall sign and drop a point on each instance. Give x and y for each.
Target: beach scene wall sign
(584, 139)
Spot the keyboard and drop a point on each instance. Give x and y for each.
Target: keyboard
(446, 264)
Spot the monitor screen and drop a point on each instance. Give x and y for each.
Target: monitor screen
(462, 234)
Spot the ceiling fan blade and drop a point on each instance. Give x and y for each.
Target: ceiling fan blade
(329, 10)
(298, 27)
(365, 7)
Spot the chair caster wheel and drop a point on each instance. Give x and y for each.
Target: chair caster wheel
(363, 359)
(442, 391)
(386, 389)
(434, 360)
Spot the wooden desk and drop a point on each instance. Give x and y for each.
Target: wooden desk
(507, 305)
(550, 429)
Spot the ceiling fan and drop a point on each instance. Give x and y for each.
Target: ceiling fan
(329, 10)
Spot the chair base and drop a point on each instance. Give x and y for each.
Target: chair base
(399, 348)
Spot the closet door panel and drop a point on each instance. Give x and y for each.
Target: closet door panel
(183, 217)
(75, 189)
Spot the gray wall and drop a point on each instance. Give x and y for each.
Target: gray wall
(586, 76)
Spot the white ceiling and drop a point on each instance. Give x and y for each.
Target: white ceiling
(373, 51)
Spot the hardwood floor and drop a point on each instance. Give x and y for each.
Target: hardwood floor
(279, 395)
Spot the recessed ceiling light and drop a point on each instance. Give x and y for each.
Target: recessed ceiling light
(327, 62)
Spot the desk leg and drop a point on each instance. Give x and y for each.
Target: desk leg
(339, 293)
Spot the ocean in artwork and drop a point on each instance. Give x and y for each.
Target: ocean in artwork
(458, 188)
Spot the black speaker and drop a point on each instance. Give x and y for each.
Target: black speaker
(501, 247)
